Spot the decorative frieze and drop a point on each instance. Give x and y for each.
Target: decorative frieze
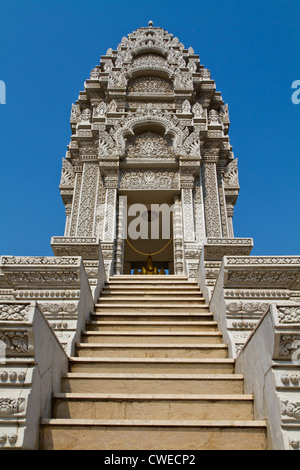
(149, 179)
(288, 345)
(289, 315)
(16, 342)
(14, 312)
(264, 260)
(149, 84)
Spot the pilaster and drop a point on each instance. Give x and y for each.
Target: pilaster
(87, 199)
(109, 226)
(222, 202)
(211, 196)
(75, 202)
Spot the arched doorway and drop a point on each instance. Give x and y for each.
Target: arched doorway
(148, 223)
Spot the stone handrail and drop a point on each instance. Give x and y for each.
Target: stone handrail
(244, 290)
(270, 361)
(61, 287)
(32, 362)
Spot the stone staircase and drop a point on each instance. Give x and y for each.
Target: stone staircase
(152, 373)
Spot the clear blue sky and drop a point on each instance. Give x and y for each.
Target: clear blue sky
(48, 49)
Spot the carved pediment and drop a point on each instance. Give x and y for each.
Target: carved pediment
(150, 145)
(149, 84)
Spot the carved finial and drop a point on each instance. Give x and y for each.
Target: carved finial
(150, 24)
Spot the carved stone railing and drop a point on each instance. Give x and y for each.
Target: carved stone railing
(212, 253)
(244, 290)
(60, 286)
(89, 248)
(270, 361)
(32, 362)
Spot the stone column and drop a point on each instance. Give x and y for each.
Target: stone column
(177, 234)
(211, 196)
(122, 222)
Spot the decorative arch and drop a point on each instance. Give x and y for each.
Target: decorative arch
(146, 119)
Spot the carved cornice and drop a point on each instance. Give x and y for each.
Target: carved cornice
(275, 271)
(215, 248)
(39, 272)
(87, 247)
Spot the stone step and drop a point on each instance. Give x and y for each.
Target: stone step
(182, 286)
(148, 284)
(146, 316)
(178, 326)
(83, 434)
(157, 383)
(136, 365)
(159, 290)
(143, 337)
(153, 287)
(150, 406)
(151, 301)
(153, 306)
(150, 278)
(151, 350)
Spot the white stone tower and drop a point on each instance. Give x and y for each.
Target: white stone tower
(150, 126)
(151, 130)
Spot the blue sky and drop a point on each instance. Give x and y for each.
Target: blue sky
(47, 51)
